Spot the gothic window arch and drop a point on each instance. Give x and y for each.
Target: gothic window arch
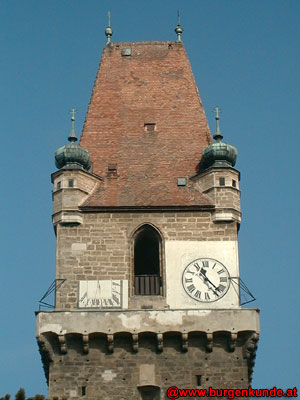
(147, 255)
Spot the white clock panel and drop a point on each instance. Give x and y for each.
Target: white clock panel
(199, 273)
(103, 294)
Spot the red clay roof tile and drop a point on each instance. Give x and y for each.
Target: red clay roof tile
(154, 85)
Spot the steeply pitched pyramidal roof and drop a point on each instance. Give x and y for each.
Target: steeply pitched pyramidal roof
(145, 127)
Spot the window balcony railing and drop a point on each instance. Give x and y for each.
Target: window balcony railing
(147, 285)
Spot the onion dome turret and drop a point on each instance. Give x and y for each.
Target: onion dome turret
(72, 155)
(219, 154)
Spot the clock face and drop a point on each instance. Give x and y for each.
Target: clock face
(205, 280)
(102, 294)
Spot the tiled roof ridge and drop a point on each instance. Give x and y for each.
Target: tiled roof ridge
(145, 42)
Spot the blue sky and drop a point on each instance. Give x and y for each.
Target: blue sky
(245, 58)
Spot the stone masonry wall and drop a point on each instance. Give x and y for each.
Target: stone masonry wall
(223, 196)
(101, 247)
(119, 374)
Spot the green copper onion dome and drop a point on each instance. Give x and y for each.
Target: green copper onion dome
(72, 155)
(219, 154)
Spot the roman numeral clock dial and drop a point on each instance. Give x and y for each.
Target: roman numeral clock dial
(205, 280)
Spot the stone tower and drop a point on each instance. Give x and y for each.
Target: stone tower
(146, 215)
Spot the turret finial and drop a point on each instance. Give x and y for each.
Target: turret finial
(218, 135)
(178, 29)
(72, 137)
(108, 30)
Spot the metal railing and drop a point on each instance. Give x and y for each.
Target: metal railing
(147, 285)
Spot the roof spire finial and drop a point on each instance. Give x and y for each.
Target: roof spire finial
(218, 135)
(72, 137)
(108, 30)
(178, 29)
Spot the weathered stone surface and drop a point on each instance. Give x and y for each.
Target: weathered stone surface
(118, 375)
(144, 129)
(158, 321)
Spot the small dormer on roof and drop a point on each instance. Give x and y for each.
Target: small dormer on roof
(218, 154)
(72, 155)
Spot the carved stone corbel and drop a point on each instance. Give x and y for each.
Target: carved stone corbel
(160, 342)
(250, 353)
(44, 348)
(184, 342)
(232, 341)
(62, 344)
(110, 343)
(135, 342)
(45, 351)
(209, 342)
(85, 341)
(251, 346)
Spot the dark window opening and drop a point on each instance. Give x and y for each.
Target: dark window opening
(233, 183)
(112, 170)
(150, 126)
(83, 390)
(58, 185)
(71, 183)
(222, 181)
(198, 380)
(150, 392)
(147, 262)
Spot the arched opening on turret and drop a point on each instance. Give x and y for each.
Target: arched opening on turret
(147, 261)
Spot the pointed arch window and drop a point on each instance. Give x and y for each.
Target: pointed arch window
(147, 261)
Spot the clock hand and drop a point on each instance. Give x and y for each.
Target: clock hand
(205, 281)
(203, 273)
(214, 291)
